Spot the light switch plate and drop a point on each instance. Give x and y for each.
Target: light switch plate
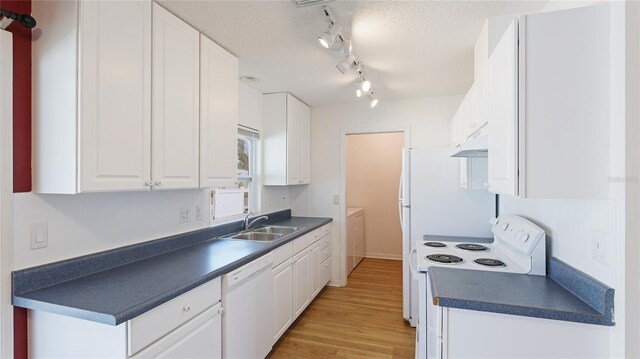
(336, 199)
(39, 235)
(198, 213)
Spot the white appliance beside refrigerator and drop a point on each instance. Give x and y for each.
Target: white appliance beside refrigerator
(432, 202)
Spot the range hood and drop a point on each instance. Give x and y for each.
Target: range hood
(475, 147)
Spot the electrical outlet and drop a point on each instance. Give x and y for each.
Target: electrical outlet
(599, 244)
(336, 199)
(185, 215)
(198, 213)
(39, 235)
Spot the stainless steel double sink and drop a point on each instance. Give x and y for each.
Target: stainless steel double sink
(266, 233)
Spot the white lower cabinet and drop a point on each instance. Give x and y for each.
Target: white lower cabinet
(298, 279)
(188, 326)
(282, 298)
(301, 284)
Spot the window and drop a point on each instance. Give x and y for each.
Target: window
(228, 204)
(247, 143)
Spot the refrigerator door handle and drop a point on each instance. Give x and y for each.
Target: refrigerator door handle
(414, 271)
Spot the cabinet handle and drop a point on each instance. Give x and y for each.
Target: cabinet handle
(158, 183)
(186, 308)
(149, 184)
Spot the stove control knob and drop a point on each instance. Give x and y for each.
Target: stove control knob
(523, 237)
(505, 226)
(493, 221)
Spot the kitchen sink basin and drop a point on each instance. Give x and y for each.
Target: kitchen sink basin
(256, 236)
(276, 230)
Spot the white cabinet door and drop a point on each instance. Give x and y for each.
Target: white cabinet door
(301, 284)
(305, 144)
(114, 95)
(282, 298)
(293, 139)
(199, 338)
(503, 126)
(481, 102)
(218, 115)
(176, 118)
(316, 270)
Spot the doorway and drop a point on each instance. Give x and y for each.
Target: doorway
(373, 164)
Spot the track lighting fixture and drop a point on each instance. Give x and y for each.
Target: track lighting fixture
(328, 39)
(334, 39)
(344, 65)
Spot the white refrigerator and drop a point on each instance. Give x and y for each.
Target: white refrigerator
(432, 202)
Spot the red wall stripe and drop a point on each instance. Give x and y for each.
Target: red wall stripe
(21, 137)
(21, 97)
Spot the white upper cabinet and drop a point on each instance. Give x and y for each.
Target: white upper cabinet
(549, 106)
(176, 106)
(286, 140)
(503, 130)
(91, 96)
(218, 115)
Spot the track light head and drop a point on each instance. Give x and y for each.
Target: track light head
(328, 39)
(374, 102)
(344, 65)
(358, 93)
(366, 85)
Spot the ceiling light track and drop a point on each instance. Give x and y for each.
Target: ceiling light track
(335, 40)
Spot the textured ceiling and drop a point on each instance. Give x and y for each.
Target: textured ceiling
(409, 48)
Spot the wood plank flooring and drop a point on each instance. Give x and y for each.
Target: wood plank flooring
(362, 320)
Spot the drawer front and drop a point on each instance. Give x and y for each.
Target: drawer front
(326, 229)
(281, 254)
(325, 253)
(199, 338)
(305, 241)
(325, 241)
(151, 326)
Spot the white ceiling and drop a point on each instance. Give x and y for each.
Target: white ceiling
(409, 48)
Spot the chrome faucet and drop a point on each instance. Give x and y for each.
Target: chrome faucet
(248, 224)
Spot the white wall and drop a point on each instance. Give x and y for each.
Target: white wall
(88, 223)
(427, 118)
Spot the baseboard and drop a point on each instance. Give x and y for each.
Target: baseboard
(397, 257)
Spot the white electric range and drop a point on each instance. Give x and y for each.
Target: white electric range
(519, 246)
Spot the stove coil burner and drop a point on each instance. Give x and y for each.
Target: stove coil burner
(435, 244)
(472, 247)
(444, 258)
(490, 262)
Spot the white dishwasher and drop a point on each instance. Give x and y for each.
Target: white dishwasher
(247, 295)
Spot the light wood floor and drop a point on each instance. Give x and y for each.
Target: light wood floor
(362, 320)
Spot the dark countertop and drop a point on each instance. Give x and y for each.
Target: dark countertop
(439, 238)
(519, 294)
(118, 294)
